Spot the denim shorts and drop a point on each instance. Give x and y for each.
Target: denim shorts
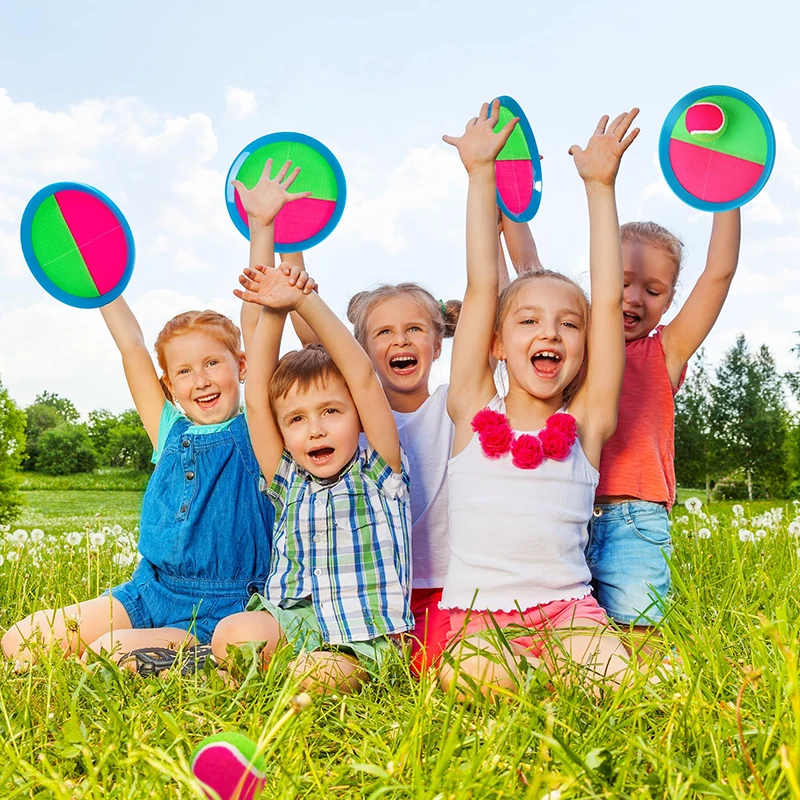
(628, 553)
(153, 599)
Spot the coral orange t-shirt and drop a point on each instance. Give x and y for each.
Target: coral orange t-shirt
(639, 459)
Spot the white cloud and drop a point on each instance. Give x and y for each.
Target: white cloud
(427, 181)
(188, 262)
(240, 103)
(763, 209)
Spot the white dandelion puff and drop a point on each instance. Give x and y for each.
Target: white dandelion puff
(116, 530)
(12, 555)
(794, 527)
(745, 535)
(2, 560)
(37, 535)
(74, 538)
(122, 559)
(737, 510)
(704, 533)
(693, 505)
(20, 536)
(97, 539)
(760, 533)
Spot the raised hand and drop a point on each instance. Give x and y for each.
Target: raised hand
(263, 202)
(279, 288)
(599, 162)
(479, 144)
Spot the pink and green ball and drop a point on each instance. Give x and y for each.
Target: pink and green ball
(301, 219)
(228, 767)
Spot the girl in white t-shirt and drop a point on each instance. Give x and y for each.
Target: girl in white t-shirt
(401, 327)
(524, 466)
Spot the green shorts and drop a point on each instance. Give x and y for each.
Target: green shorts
(301, 628)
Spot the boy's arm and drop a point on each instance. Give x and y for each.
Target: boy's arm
(262, 360)
(693, 323)
(597, 401)
(146, 391)
(376, 415)
(471, 377)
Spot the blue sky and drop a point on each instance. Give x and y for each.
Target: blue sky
(150, 102)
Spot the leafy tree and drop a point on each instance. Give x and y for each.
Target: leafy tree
(66, 410)
(66, 449)
(748, 417)
(129, 445)
(40, 418)
(694, 456)
(12, 446)
(101, 425)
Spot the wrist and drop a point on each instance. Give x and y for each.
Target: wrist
(259, 226)
(481, 171)
(599, 189)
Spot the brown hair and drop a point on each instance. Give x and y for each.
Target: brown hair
(513, 289)
(211, 322)
(656, 236)
(443, 315)
(311, 365)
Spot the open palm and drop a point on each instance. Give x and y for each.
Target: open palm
(599, 162)
(479, 144)
(263, 202)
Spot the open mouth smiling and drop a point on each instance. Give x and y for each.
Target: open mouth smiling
(630, 320)
(403, 363)
(321, 455)
(207, 400)
(546, 364)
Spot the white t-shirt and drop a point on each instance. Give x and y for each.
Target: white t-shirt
(427, 439)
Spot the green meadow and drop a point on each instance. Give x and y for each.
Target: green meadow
(723, 721)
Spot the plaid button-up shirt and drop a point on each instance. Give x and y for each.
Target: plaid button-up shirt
(346, 544)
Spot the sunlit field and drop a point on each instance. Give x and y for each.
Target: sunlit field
(724, 719)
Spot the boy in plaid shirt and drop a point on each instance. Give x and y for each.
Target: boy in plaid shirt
(339, 580)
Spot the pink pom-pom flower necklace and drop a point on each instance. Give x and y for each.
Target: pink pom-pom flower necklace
(528, 450)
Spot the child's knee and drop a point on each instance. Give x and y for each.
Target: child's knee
(35, 628)
(324, 672)
(238, 629)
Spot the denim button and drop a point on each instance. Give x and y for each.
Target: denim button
(190, 476)
(183, 509)
(598, 512)
(185, 442)
(252, 588)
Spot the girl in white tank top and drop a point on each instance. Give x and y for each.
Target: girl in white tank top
(524, 468)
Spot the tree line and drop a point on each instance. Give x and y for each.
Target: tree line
(737, 427)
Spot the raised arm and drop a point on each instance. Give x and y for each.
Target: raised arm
(146, 391)
(693, 323)
(471, 379)
(521, 246)
(262, 204)
(595, 406)
(376, 416)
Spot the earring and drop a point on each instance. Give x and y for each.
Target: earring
(241, 380)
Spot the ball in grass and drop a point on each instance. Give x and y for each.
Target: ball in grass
(706, 121)
(228, 768)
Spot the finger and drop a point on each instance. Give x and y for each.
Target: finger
(260, 268)
(505, 131)
(541, 158)
(248, 284)
(450, 139)
(239, 186)
(294, 275)
(628, 140)
(310, 286)
(575, 150)
(494, 116)
(601, 126)
(302, 279)
(625, 122)
(615, 123)
(484, 112)
(297, 195)
(471, 124)
(267, 171)
(247, 297)
(283, 170)
(292, 178)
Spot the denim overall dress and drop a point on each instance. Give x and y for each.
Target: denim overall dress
(205, 532)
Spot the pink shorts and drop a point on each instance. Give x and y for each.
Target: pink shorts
(432, 627)
(548, 617)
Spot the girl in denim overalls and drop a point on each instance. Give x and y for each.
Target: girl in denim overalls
(205, 527)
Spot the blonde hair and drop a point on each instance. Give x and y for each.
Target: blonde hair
(311, 365)
(655, 235)
(513, 289)
(210, 322)
(443, 315)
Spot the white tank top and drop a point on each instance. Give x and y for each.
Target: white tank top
(517, 536)
(427, 439)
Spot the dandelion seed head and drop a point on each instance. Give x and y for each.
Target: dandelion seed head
(37, 535)
(704, 533)
(737, 510)
(745, 535)
(74, 538)
(693, 505)
(794, 527)
(20, 536)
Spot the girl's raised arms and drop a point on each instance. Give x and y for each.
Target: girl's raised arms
(693, 323)
(471, 378)
(146, 391)
(595, 405)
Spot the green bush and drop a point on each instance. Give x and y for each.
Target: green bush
(66, 449)
(12, 446)
(129, 446)
(40, 418)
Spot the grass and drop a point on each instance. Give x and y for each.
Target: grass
(732, 713)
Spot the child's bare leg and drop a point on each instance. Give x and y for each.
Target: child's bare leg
(68, 629)
(599, 651)
(323, 671)
(246, 626)
(482, 663)
(121, 642)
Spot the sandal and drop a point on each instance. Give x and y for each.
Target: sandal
(152, 661)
